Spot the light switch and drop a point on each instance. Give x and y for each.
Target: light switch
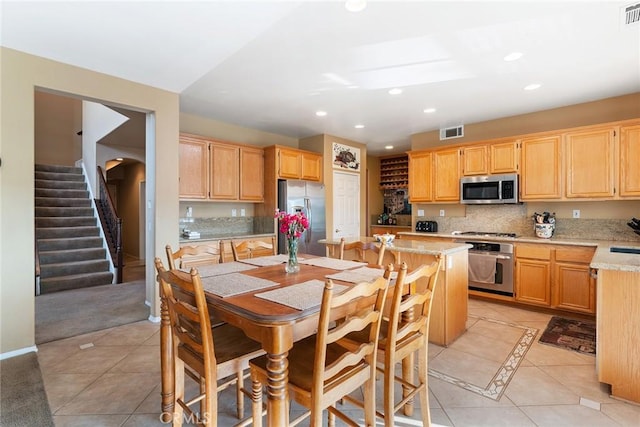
(234, 212)
(242, 212)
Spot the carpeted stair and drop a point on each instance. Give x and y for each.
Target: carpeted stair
(69, 243)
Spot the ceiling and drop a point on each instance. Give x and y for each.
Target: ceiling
(271, 65)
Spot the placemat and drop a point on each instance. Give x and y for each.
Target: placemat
(234, 284)
(265, 261)
(219, 269)
(301, 296)
(362, 274)
(333, 263)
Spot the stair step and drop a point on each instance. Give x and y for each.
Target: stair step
(73, 268)
(46, 211)
(66, 202)
(58, 169)
(69, 243)
(52, 192)
(59, 176)
(65, 221)
(63, 232)
(84, 254)
(60, 185)
(64, 283)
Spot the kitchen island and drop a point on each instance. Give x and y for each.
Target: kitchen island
(449, 307)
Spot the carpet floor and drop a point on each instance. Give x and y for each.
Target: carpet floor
(571, 334)
(69, 313)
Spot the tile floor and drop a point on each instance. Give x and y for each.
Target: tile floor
(496, 374)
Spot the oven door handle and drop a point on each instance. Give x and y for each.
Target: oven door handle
(503, 257)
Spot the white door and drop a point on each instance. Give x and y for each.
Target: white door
(346, 205)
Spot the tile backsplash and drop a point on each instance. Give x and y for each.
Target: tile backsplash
(228, 226)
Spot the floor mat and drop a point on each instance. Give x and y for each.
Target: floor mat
(571, 334)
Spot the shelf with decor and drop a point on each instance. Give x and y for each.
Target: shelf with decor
(394, 172)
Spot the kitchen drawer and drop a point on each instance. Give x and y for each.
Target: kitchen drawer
(533, 252)
(581, 255)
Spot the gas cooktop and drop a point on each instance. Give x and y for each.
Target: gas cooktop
(486, 233)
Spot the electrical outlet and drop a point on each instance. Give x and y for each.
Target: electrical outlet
(234, 212)
(420, 212)
(576, 213)
(242, 212)
(441, 212)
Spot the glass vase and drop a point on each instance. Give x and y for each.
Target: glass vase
(292, 265)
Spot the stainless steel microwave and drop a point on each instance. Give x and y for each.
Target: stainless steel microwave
(489, 189)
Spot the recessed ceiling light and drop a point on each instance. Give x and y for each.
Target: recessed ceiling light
(513, 56)
(353, 87)
(119, 159)
(359, 126)
(321, 113)
(429, 110)
(532, 86)
(395, 91)
(355, 5)
(388, 147)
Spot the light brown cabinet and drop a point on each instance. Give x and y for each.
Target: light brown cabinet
(420, 182)
(629, 160)
(220, 171)
(311, 166)
(475, 160)
(503, 157)
(446, 175)
(298, 164)
(533, 275)
(540, 174)
(589, 165)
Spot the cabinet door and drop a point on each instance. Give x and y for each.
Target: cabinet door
(533, 281)
(311, 167)
(574, 288)
(589, 163)
(474, 160)
(193, 168)
(251, 174)
(420, 177)
(446, 176)
(224, 172)
(503, 157)
(629, 161)
(289, 164)
(540, 174)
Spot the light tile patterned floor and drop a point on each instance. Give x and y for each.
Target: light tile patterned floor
(112, 378)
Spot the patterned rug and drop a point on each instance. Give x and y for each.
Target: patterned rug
(571, 334)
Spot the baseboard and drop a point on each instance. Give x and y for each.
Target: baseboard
(154, 319)
(19, 352)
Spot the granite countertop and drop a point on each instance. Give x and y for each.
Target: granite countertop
(410, 246)
(602, 259)
(204, 237)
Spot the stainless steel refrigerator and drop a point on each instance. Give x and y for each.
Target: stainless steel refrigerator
(308, 198)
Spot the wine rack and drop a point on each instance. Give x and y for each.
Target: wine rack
(394, 172)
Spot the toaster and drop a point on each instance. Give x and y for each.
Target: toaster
(426, 226)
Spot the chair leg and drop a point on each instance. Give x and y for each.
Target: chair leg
(178, 411)
(256, 400)
(423, 377)
(408, 375)
(388, 387)
(239, 395)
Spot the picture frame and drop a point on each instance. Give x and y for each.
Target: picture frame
(346, 157)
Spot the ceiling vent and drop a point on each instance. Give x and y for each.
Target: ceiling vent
(452, 132)
(631, 14)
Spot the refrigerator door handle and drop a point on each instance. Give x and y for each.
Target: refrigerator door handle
(307, 207)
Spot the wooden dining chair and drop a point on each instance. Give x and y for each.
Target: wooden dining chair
(199, 354)
(405, 331)
(192, 256)
(320, 370)
(252, 248)
(362, 249)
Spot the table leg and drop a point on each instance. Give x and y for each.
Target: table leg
(277, 391)
(166, 362)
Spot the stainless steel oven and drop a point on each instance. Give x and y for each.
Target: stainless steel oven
(491, 267)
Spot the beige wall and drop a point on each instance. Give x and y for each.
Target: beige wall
(129, 207)
(376, 198)
(21, 74)
(57, 122)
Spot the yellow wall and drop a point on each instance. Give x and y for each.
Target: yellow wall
(129, 207)
(21, 74)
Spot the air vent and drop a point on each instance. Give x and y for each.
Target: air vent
(631, 14)
(452, 132)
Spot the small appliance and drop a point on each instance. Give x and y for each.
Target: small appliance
(489, 189)
(426, 226)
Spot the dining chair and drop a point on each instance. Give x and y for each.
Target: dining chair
(200, 254)
(362, 249)
(321, 371)
(405, 330)
(252, 248)
(204, 354)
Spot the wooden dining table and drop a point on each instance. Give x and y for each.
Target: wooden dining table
(276, 326)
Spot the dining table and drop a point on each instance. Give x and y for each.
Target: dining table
(271, 306)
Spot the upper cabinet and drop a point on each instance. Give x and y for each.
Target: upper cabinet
(540, 168)
(475, 160)
(446, 175)
(589, 163)
(220, 171)
(420, 176)
(298, 164)
(629, 161)
(503, 157)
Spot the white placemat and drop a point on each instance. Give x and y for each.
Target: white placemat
(219, 269)
(231, 284)
(333, 263)
(301, 296)
(362, 274)
(265, 261)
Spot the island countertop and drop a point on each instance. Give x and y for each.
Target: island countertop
(409, 246)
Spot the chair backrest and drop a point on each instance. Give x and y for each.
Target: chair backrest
(333, 327)
(252, 248)
(410, 307)
(362, 248)
(214, 249)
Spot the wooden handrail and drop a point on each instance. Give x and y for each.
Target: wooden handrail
(111, 223)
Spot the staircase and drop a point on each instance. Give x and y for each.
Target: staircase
(70, 247)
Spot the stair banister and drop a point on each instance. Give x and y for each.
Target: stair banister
(111, 223)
